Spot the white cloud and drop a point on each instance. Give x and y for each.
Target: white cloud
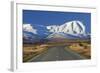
(29, 28)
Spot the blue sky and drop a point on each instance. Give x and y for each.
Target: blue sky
(45, 18)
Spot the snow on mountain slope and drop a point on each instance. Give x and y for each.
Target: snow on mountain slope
(69, 30)
(56, 35)
(29, 37)
(29, 28)
(29, 33)
(72, 27)
(67, 36)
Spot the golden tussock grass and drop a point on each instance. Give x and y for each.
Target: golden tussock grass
(83, 49)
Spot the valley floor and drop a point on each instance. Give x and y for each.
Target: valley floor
(56, 51)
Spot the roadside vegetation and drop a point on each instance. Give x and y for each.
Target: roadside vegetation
(82, 47)
(30, 50)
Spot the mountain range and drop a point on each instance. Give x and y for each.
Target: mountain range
(69, 30)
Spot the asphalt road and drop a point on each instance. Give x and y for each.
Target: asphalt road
(55, 54)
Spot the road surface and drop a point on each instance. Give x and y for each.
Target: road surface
(55, 54)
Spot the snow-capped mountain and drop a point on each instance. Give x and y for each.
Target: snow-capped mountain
(56, 35)
(29, 37)
(69, 30)
(72, 27)
(29, 34)
(29, 28)
(67, 36)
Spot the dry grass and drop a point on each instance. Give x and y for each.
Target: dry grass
(30, 51)
(83, 49)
